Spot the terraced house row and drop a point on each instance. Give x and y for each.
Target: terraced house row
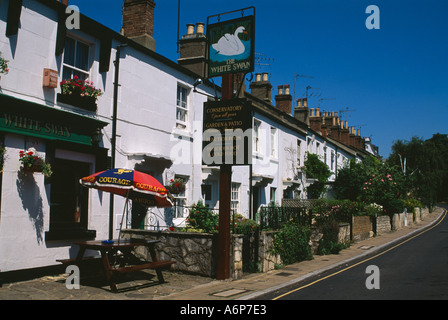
(83, 100)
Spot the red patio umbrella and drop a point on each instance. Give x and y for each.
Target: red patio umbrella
(131, 184)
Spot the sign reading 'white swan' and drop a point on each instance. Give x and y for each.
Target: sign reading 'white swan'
(231, 46)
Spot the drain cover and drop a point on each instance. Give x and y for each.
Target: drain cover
(283, 274)
(229, 293)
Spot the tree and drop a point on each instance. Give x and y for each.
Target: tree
(316, 169)
(424, 165)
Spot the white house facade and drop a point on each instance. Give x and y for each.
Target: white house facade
(148, 118)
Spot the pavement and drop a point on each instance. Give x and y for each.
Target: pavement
(179, 286)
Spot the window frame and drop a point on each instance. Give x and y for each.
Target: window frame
(235, 197)
(256, 137)
(184, 95)
(74, 68)
(274, 143)
(180, 199)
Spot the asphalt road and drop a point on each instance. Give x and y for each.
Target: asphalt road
(416, 268)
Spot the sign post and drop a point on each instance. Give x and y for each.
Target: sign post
(230, 47)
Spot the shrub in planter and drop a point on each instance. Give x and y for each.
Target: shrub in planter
(202, 218)
(292, 243)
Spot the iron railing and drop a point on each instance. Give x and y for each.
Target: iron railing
(274, 217)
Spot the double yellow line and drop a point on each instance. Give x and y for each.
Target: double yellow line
(361, 262)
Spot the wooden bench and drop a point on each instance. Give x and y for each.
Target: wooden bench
(73, 261)
(125, 247)
(158, 265)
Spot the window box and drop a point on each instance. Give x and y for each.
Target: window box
(86, 103)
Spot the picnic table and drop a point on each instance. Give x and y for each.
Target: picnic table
(110, 249)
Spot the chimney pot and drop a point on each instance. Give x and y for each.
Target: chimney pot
(305, 102)
(280, 90)
(200, 28)
(190, 28)
(65, 2)
(299, 103)
(265, 76)
(257, 77)
(287, 89)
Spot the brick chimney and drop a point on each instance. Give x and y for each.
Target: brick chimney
(283, 100)
(301, 111)
(334, 129)
(345, 133)
(138, 22)
(261, 87)
(193, 47)
(315, 120)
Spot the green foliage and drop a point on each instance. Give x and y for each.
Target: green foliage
(245, 226)
(316, 169)
(202, 219)
(411, 203)
(372, 181)
(329, 243)
(292, 243)
(424, 165)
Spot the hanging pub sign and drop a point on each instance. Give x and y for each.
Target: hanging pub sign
(227, 133)
(231, 46)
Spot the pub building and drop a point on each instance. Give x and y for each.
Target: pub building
(153, 106)
(150, 120)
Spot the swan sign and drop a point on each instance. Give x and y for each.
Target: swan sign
(231, 47)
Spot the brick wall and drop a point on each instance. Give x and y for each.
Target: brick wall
(362, 228)
(138, 17)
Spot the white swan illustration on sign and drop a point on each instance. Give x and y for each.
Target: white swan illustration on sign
(230, 45)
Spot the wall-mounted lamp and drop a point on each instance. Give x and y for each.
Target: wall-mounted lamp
(197, 83)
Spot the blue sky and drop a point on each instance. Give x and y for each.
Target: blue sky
(393, 81)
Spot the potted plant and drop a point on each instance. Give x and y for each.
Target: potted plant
(79, 93)
(176, 186)
(31, 162)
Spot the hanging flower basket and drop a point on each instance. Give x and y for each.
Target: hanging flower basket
(176, 186)
(31, 163)
(3, 65)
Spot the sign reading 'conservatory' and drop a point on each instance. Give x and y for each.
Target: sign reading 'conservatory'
(227, 135)
(231, 46)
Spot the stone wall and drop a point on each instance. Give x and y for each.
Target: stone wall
(317, 235)
(383, 225)
(266, 260)
(194, 253)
